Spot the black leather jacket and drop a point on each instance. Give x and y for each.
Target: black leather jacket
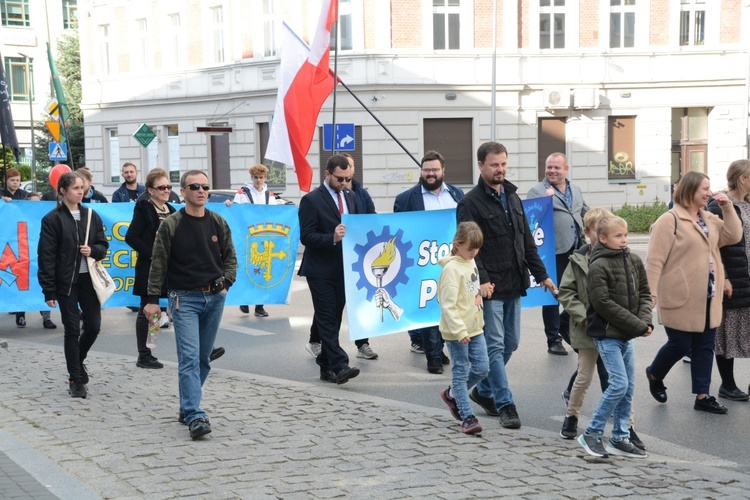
(508, 252)
(58, 252)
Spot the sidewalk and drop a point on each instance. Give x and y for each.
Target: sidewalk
(279, 439)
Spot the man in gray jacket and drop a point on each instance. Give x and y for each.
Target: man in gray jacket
(569, 208)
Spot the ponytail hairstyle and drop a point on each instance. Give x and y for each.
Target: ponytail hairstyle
(468, 233)
(64, 182)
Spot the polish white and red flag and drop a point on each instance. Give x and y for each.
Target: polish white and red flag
(305, 83)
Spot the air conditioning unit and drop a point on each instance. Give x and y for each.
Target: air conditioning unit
(586, 98)
(557, 98)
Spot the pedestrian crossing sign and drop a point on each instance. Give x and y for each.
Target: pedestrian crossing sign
(58, 152)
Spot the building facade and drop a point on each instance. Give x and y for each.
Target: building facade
(633, 91)
(25, 28)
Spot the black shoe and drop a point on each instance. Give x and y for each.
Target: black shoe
(557, 348)
(345, 374)
(84, 375)
(734, 395)
(635, 440)
(658, 391)
(569, 428)
(710, 405)
(509, 417)
(444, 359)
(435, 365)
(328, 376)
(148, 362)
(245, 309)
(21, 321)
(181, 418)
(260, 312)
(199, 427)
(77, 390)
(48, 324)
(487, 404)
(216, 353)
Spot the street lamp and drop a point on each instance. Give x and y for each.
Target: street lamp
(29, 60)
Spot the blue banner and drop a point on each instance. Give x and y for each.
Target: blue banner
(265, 238)
(391, 266)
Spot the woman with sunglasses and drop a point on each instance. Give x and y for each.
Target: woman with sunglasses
(147, 216)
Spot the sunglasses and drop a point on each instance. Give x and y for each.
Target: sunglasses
(341, 179)
(166, 187)
(196, 187)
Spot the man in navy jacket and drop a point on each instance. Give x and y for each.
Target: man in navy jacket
(431, 193)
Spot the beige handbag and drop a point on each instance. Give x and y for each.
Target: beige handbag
(100, 278)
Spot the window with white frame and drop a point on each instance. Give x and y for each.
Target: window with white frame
(446, 24)
(622, 23)
(551, 24)
(105, 56)
(217, 27)
(271, 28)
(344, 27)
(18, 75)
(113, 148)
(173, 152)
(142, 49)
(15, 12)
(70, 14)
(692, 22)
(173, 48)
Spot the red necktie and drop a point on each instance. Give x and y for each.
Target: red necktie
(341, 203)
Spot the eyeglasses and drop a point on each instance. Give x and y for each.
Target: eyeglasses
(341, 179)
(196, 187)
(166, 187)
(430, 170)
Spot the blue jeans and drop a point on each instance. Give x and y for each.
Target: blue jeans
(502, 332)
(196, 316)
(431, 341)
(462, 355)
(619, 359)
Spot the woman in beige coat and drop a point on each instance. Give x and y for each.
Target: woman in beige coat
(683, 267)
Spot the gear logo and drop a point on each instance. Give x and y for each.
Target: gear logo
(381, 266)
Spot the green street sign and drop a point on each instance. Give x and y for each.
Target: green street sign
(144, 135)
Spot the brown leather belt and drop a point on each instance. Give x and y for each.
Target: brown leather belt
(205, 288)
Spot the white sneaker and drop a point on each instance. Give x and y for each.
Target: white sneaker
(313, 348)
(365, 352)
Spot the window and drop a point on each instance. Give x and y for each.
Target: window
(692, 22)
(173, 48)
(552, 133)
(15, 12)
(621, 148)
(344, 26)
(217, 17)
(142, 50)
(622, 23)
(452, 137)
(551, 24)
(276, 169)
(113, 146)
(271, 28)
(446, 24)
(104, 49)
(173, 152)
(70, 14)
(19, 73)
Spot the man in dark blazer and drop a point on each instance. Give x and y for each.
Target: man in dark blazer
(321, 232)
(431, 193)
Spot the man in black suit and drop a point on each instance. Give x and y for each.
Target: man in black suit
(321, 231)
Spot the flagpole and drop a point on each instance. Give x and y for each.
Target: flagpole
(379, 122)
(335, 78)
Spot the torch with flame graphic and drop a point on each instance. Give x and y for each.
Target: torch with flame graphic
(381, 264)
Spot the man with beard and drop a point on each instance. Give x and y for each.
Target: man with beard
(130, 190)
(431, 193)
(504, 262)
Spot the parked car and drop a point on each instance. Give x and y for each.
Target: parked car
(222, 195)
(27, 186)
